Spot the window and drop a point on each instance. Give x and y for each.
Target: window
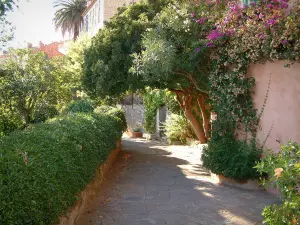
(86, 23)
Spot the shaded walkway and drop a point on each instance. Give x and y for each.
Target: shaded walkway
(156, 184)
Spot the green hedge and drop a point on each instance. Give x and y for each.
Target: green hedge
(80, 106)
(43, 168)
(115, 112)
(231, 158)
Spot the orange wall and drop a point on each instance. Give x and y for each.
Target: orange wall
(283, 103)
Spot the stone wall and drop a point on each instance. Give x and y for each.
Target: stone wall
(134, 115)
(280, 121)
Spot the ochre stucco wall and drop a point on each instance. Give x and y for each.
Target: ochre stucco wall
(110, 7)
(282, 110)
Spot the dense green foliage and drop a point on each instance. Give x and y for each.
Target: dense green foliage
(108, 60)
(115, 112)
(283, 171)
(43, 168)
(80, 106)
(75, 59)
(152, 100)
(32, 88)
(178, 129)
(232, 158)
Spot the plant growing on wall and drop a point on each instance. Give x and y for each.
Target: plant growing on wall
(153, 100)
(241, 36)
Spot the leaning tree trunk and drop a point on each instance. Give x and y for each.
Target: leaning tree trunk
(185, 99)
(205, 119)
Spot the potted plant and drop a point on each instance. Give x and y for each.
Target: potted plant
(137, 133)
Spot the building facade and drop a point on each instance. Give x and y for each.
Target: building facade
(98, 11)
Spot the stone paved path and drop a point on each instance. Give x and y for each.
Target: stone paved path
(155, 184)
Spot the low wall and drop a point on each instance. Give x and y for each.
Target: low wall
(281, 116)
(86, 196)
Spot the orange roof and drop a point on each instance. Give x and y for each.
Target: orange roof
(51, 50)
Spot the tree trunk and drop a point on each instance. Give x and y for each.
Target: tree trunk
(76, 32)
(26, 116)
(205, 120)
(185, 100)
(196, 126)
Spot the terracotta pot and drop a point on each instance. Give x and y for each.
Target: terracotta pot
(137, 134)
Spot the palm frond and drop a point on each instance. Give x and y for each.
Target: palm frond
(68, 16)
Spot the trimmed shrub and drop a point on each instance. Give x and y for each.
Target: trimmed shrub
(9, 122)
(231, 157)
(115, 112)
(178, 128)
(80, 106)
(44, 168)
(44, 112)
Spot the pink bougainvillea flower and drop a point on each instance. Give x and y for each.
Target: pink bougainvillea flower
(272, 22)
(209, 44)
(214, 34)
(261, 36)
(193, 14)
(284, 5)
(197, 50)
(260, 16)
(285, 42)
(201, 20)
(278, 172)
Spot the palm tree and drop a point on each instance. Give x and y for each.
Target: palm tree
(68, 17)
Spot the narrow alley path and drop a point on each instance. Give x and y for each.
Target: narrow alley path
(156, 184)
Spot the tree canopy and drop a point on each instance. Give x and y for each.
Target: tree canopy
(30, 83)
(159, 48)
(108, 60)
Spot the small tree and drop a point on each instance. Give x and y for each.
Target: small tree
(75, 60)
(29, 79)
(172, 59)
(158, 48)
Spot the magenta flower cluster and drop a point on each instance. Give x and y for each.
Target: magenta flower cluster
(201, 20)
(278, 4)
(214, 35)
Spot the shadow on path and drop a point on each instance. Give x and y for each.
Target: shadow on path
(165, 185)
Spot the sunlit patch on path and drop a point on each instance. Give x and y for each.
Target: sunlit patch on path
(152, 183)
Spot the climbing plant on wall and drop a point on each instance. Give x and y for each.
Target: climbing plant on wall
(244, 34)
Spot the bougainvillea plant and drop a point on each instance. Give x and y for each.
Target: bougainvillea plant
(244, 34)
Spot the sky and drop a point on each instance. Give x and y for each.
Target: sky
(34, 23)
